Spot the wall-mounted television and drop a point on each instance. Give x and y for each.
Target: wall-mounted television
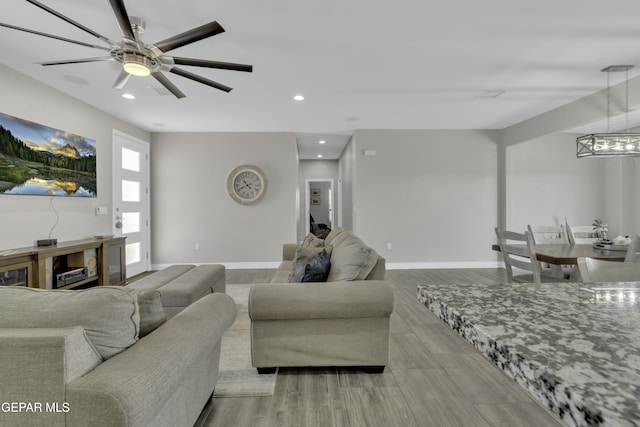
(38, 160)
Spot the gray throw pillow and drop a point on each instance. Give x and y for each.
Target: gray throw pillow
(152, 313)
(301, 259)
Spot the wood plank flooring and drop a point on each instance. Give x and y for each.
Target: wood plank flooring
(434, 377)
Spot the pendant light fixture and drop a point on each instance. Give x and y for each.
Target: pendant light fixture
(611, 144)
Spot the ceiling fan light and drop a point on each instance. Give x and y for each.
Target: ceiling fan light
(136, 65)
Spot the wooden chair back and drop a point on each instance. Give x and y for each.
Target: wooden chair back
(580, 234)
(548, 234)
(518, 251)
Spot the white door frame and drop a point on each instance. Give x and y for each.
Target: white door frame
(117, 137)
(307, 202)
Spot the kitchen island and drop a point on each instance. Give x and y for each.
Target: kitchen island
(574, 347)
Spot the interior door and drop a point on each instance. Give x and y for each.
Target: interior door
(319, 200)
(131, 199)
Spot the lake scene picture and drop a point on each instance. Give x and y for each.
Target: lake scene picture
(43, 161)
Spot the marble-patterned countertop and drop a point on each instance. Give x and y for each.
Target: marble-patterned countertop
(579, 358)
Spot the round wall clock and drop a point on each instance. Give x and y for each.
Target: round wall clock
(246, 184)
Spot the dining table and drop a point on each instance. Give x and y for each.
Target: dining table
(566, 254)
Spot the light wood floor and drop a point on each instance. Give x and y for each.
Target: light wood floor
(434, 377)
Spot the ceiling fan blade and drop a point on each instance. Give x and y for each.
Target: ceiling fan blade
(38, 33)
(77, 61)
(71, 21)
(122, 80)
(200, 79)
(182, 39)
(212, 64)
(123, 20)
(168, 85)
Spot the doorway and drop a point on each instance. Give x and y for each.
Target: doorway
(319, 206)
(130, 188)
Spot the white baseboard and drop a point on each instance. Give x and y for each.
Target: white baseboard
(432, 265)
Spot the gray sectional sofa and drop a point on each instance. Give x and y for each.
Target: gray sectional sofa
(181, 285)
(106, 356)
(341, 322)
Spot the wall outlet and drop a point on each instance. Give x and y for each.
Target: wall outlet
(389, 246)
(197, 246)
(102, 210)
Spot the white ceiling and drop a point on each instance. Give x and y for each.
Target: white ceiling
(361, 64)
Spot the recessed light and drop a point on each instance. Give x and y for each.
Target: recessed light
(322, 141)
(128, 96)
(299, 98)
(319, 156)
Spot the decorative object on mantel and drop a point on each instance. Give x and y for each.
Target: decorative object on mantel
(611, 144)
(601, 229)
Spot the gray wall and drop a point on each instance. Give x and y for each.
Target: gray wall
(544, 189)
(190, 204)
(431, 194)
(25, 219)
(346, 198)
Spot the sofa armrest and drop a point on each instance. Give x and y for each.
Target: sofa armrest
(331, 300)
(35, 366)
(177, 360)
(289, 251)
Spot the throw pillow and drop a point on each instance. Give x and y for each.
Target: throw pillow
(352, 260)
(313, 241)
(332, 235)
(152, 313)
(301, 259)
(109, 314)
(317, 270)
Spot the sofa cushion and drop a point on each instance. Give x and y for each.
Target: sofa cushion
(351, 260)
(110, 315)
(301, 259)
(316, 270)
(152, 313)
(312, 241)
(79, 356)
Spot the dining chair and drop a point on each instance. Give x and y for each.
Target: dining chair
(597, 270)
(555, 235)
(519, 252)
(580, 234)
(633, 253)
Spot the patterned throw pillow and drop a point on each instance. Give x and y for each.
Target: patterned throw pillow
(316, 270)
(312, 241)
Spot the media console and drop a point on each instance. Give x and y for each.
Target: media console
(67, 265)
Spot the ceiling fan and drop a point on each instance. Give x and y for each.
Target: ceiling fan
(138, 58)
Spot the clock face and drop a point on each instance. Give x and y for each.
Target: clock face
(246, 184)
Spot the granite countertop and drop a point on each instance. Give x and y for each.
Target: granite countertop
(577, 355)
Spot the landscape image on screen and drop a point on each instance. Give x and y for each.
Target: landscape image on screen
(43, 161)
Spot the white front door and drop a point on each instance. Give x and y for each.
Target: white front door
(131, 199)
